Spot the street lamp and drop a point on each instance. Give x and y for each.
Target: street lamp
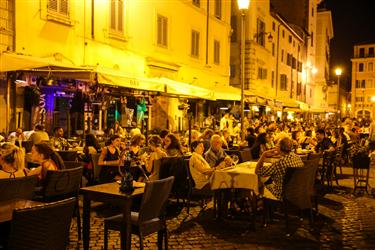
(338, 72)
(243, 5)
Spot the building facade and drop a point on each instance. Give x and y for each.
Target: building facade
(363, 80)
(143, 40)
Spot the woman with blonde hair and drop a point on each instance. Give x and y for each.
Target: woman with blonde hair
(12, 161)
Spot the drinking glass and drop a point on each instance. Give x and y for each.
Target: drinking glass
(235, 159)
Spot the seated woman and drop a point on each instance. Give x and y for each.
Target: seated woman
(110, 156)
(117, 130)
(259, 146)
(12, 161)
(137, 156)
(43, 154)
(200, 170)
(172, 146)
(157, 153)
(91, 147)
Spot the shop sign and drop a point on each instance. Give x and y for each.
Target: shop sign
(42, 109)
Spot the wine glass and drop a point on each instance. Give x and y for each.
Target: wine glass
(235, 159)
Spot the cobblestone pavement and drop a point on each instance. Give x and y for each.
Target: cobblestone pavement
(345, 221)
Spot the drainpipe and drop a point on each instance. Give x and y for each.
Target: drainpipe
(207, 29)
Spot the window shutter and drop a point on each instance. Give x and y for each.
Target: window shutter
(64, 7)
(52, 5)
(120, 16)
(113, 15)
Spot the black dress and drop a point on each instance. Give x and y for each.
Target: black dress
(108, 173)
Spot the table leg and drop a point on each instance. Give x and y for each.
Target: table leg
(86, 222)
(126, 229)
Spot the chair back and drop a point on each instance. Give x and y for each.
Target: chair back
(245, 155)
(42, 227)
(68, 155)
(175, 166)
(299, 188)
(95, 166)
(18, 188)
(155, 198)
(313, 156)
(62, 183)
(361, 161)
(28, 145)
(155, 170)
(73, 164)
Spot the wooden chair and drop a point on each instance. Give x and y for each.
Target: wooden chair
(43, 227)
(150, 218)
(18, 188)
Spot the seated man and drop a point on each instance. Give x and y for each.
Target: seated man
(278, 169)
(58, 141)
(39, 135)
(324, 143)
(215, 155)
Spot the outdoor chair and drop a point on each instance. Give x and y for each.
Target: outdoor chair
(18, 188)
(42, 227)
(68, 155)
(175, 166)
(361, 170)
(298, 191)
(62, 184)
(151, 216)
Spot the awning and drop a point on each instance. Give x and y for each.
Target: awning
(118, 78)
(290, 104)
(185, 89)
(16, 62)
(227, 93)
(322, 110)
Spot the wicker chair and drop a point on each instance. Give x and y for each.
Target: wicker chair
(150, 218)
(42, 227)
(361, 170)
(298, 190)
(62, 184)
(18, 188)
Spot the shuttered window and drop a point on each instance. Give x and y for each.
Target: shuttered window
(195, 43)
(60, 7)
(216, 52)
(117, 16)
(162, 32)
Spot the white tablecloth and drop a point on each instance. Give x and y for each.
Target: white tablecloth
(241, 176)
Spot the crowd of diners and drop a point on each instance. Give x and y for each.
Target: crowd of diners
(207, 150)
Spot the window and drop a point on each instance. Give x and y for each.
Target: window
(294, 63)
(273, 49)
(360, 84)
(162, 32)
(218, 9)
(371, 52)
(362, 52)
(370, 67)
(282, 55)
(299, 66)
(312, 11)
(283, 82)
(197, 3)
(262, 73)
(312, 39)
(359, 99)
(58, 7)
(289, 59)
(216, 52)
(233, 23)
(117, 16)
(290, 39)
(272, 78)
(369, 83)
(299, 88)
(232, 71)
(360, 67)
(261, 29)
(283, 34)
(273, 26)
(195, 43)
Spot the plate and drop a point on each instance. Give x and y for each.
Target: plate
(136, 184)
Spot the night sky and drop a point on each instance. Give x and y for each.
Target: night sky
(353, 22)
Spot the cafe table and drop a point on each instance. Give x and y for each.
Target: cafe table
(109, 193)
(7, 207)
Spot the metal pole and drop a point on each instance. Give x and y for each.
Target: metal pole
(242, 72)
(338, 97)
